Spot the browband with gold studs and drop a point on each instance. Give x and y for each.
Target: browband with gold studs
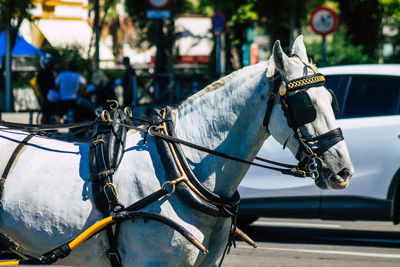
(305, 82)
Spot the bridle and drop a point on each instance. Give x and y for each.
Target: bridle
(299, 110)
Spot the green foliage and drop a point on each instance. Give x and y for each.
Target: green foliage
(339, 51)
(363, 23)
(244, 14)
(15, 9)
(277, 17)
(149, 29)
(391, 8)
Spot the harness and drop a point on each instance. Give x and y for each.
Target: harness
(106, 152)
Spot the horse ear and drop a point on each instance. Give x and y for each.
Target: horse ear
(299, 49)
(280, 58)
(270, 67)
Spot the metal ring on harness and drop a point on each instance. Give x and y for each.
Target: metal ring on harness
(114, 104)
(105, 114)
(156, 128)
(170, 183)
(313, 167)
(128, 112)
(174, 182)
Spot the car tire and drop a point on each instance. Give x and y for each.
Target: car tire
(394, 194)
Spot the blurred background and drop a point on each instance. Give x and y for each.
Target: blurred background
(176, 47)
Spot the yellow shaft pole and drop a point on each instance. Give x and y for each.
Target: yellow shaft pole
(89, 232)
(9, 263)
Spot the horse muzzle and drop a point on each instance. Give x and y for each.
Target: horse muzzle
(329, 179)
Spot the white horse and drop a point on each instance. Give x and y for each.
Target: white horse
(48, 200)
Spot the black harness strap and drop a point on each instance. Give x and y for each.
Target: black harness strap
(11, 161)
(105, 154)
(333, 137)
(229, 202)
(274, 82)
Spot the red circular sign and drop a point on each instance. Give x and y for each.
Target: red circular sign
(323, 20)
(158, 4)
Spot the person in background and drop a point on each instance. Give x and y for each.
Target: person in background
(45, 82)
(70, 85)
(104, 89)
(127, 82)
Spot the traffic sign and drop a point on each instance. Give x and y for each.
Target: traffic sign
(218, 23)
(158, 4)
(158, 13)
(323, 20)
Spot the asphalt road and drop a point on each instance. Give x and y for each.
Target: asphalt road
(298, 243)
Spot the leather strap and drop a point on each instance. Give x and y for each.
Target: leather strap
(11, 161)
(333, 137)
(105, 155)
(274, 82)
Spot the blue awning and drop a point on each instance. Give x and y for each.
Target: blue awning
(21, 48)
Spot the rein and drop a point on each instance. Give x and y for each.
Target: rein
(152, 130)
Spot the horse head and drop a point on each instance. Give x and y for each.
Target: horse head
(311, 132)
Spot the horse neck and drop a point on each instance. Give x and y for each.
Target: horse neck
(225, 116)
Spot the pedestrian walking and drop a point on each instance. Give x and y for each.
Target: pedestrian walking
(127, 82)
(45, 82)
(70, 85)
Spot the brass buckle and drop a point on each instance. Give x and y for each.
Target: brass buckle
(128, 112)
(114, 189)
(105, 116)
(98, 141)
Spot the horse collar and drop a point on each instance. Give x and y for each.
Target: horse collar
(189, 188)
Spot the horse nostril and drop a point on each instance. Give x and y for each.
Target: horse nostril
(345, 174)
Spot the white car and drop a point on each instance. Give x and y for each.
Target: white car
(369, 101)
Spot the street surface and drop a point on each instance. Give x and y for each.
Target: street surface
(301, 243)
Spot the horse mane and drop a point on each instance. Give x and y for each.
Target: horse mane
(249, 70)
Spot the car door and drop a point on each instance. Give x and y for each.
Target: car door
(371, 127)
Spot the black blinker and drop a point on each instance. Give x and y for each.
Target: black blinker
(301, 109)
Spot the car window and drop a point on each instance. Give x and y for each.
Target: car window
(338, 84)
(370, 95)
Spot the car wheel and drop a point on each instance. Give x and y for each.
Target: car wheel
(394, 194)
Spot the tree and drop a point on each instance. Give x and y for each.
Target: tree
(12, 13)
(391, 19)
(151, 30)
(239, 15)
(282, 18)
(339, 51)
(363, 23)
(162, 34)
